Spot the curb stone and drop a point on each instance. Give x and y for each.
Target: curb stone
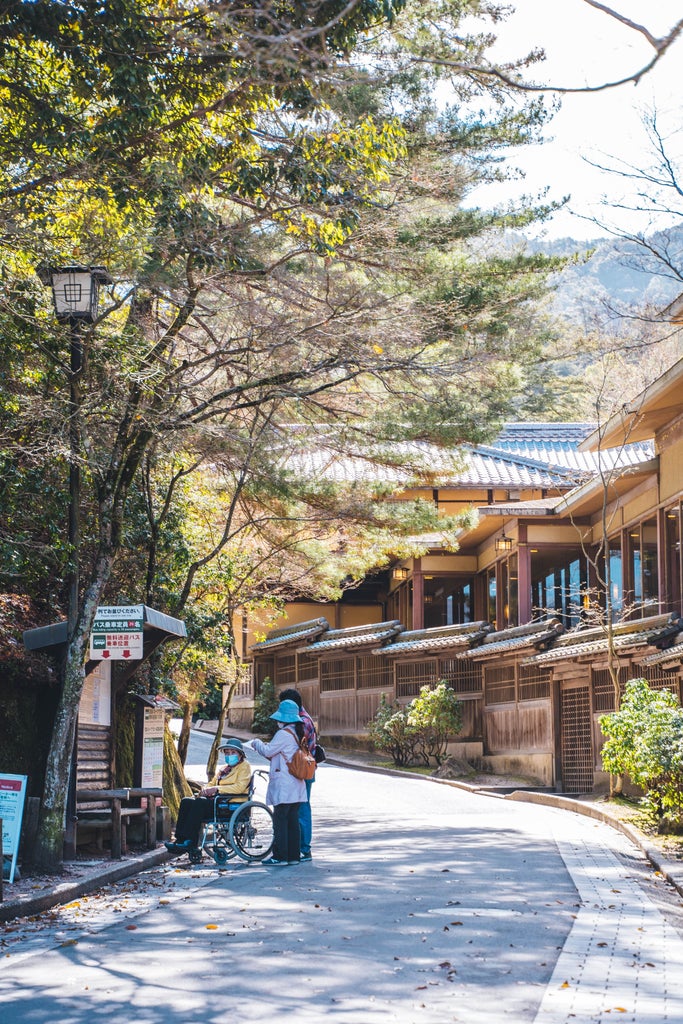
(65, 892)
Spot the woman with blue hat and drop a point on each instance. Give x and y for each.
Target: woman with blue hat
(285, 792)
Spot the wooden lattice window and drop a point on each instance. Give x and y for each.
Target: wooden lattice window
(373, 672)
(411, 676)
(285, 670)
(533, 682)
(337, 674)
(463, 674)
(657, 678)
(499, 684)
(603, 687)
(307, 666)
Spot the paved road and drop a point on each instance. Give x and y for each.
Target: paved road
(423, 903)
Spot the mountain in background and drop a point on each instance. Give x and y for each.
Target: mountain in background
(614, 274)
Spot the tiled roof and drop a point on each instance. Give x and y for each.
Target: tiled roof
(292, 634)
(355, 636)
(594, 641)
(525, 455)
(435, 639)
(506, 640)
(673, 653)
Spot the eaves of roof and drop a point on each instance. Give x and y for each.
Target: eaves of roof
(673, 654)
(291, 635)
(595, 490)
(356, 636)
(514, 643)
(436, 639)
(641, 418)
(619, 643)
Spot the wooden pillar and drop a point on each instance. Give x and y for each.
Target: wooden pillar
(523, 577)
(664, 596)
(418, 617)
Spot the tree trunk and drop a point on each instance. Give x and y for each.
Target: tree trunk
(184, 737)
(49, 850)
(175, 784)
(213, 753)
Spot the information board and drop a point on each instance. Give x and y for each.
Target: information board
(12, 796)
(153, 748)
(95, 705)
(117, 633)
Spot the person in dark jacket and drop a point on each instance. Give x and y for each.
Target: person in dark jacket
(305, 819)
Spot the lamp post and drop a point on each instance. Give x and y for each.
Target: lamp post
(75, 293)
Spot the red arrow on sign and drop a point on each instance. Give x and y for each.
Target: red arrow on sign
(105, 654)
(126, 654)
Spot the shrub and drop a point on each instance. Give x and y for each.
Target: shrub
(436, 717)
(265, 704)
(421, 730)
(390, 731)
(645, 742)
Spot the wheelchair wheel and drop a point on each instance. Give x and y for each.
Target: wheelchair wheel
(221, 854)
(195, 856)
(251, 831)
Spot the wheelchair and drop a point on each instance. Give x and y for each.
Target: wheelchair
(237, 829)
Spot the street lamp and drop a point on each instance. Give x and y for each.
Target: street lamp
(75, 293)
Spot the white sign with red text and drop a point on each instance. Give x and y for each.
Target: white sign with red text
(117, 633)
(12, 795)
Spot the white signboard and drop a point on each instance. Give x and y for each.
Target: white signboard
(95, 705)
(153, 748)
(117, 633)
(12, 796)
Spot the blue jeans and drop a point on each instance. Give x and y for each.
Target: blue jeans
(305, 821)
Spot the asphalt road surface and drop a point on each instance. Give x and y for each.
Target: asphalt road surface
(423, 903)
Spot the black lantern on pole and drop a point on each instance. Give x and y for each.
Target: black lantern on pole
(75, 293)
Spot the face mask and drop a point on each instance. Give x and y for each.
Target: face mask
(232, 759)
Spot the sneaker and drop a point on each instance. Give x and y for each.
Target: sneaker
(294, 861)
(306, 855)
(274, 862)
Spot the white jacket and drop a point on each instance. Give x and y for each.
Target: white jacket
(283, 787)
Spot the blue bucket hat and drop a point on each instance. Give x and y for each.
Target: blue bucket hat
(287, 712)
(232, 744)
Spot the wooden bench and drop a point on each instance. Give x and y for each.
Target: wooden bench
(109, 810)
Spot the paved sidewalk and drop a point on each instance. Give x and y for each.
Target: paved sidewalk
(622, 958)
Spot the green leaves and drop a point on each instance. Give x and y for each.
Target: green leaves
(645, 742)
(421, 729)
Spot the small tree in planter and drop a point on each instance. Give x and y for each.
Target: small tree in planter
(436, 717)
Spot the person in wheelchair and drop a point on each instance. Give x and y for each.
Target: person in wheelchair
(231, 780)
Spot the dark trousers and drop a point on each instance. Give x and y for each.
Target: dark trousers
(287, 836)
(192, 812)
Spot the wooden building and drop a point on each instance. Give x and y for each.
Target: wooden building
(515, 619)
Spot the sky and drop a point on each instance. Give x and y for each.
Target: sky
(584, 46)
